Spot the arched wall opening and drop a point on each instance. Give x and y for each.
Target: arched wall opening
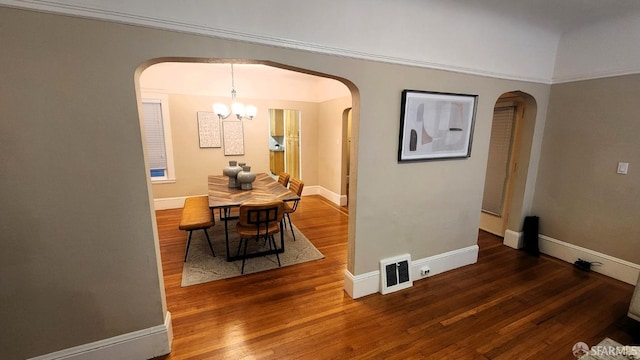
(515, 207)
(318, 130)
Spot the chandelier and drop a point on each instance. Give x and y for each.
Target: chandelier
(239, 110)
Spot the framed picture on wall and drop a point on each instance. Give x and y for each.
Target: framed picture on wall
(209, 130)
(435, 125)
(233, 137)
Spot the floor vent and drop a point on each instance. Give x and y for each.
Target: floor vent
(395, 274)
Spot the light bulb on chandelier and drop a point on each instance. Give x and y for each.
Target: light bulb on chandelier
(239, 110)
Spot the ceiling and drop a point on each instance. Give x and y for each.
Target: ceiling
(557, 15)
(254, 81)
(543, 41)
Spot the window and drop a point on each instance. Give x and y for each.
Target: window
(157, 130)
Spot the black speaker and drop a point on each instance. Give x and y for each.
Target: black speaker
(530, 229)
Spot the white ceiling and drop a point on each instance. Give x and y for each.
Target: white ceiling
(254, 81)
(557, 15)
(542, 41)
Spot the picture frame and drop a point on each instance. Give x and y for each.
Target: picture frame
(209, 130)
(436, 125)
(233, 137)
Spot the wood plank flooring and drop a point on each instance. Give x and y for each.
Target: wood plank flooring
(507, 306)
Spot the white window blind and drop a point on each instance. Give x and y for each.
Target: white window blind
(498, 162)
(154, 128)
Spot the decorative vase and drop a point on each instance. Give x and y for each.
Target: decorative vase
(241, 165)
(246, 178)
(232, 172)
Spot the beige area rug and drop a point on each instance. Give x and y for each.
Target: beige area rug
(202, 267)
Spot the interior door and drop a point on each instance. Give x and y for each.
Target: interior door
(292, 143)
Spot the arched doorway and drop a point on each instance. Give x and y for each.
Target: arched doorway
(507, 162)
(255, 131)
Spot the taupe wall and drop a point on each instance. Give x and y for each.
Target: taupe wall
(193, 164)
(79, 251)
(79, 258)
(330, 149)
(591, 126)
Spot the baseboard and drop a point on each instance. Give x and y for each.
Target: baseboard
(369, 283)
(613, 267)
(169, 203)
(513, 239)
(361, 285)
(141, 344)
(340, 200)
(444, 262)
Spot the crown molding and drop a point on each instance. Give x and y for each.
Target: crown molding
(58, 7)
(595, 75)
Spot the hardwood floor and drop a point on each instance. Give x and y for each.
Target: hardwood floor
(507, 306)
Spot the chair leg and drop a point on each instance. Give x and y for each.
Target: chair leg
(239, 247)
(291, 226)
(244, 256)
(188, 244)
(272, 240)
(209, 241)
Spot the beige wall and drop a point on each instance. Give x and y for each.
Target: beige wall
(330, 150)
(424, 208)
(193, 164)
(80, 252)
(592, 125)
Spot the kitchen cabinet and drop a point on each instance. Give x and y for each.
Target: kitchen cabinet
(276, 161)
(276, 122)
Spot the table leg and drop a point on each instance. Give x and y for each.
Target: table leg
(227, 211)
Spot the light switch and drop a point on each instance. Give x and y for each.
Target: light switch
(623, 167)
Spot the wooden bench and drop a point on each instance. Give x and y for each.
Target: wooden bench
(196, 215)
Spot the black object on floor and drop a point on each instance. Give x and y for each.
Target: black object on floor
(582, 265)
(530, 229)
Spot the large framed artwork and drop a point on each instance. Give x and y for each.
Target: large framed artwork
(435, 125)
(233, 137)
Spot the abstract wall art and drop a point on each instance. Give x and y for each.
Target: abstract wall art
(435, 125)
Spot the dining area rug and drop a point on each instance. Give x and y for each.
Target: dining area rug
(202, 267)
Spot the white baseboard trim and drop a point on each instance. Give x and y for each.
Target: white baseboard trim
(513, 239)
(369, 283)
(361, 285)
(444, 262)
(142, 344)
(340, 200)
(613, 267)
(169, 203)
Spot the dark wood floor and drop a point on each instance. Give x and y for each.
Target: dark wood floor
(507, 306)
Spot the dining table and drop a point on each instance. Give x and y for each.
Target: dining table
(225, 199)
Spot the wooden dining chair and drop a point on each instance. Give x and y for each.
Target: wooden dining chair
(296, 186)
(283, 179)
(259, 221)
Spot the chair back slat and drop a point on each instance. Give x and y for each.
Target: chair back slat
(296, 186)
(283, 179)
(261, 216)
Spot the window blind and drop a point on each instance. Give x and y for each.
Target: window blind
(498, 162)
(157, 153)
